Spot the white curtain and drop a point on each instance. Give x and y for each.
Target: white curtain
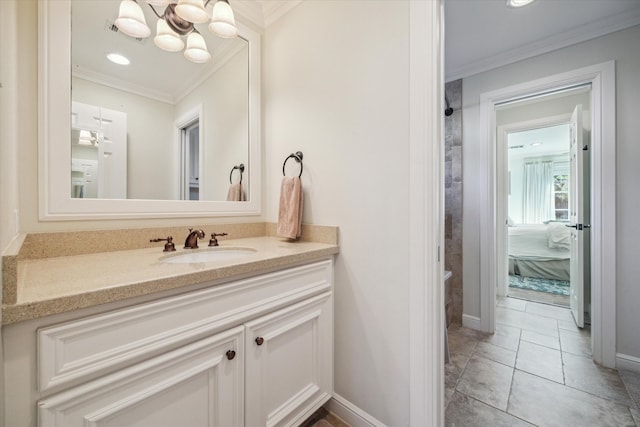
(538, 192)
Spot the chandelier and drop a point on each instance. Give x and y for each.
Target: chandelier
(177, 21)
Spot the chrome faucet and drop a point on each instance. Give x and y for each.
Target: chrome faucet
(192, 239)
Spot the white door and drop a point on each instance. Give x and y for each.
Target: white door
(112, 159)
(576, 217)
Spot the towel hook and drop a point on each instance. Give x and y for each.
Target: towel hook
(240, 167)
(297, 156)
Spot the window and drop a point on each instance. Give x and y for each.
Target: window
(561, 191)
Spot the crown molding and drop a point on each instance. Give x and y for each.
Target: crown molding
(263, 13)
(120, 84)
(276, 9)
(555, 42)
(250, 11)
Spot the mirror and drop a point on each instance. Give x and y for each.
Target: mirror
(166, 135)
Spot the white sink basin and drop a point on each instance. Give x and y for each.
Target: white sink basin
(208, 255)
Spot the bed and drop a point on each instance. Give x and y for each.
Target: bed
(540, 250)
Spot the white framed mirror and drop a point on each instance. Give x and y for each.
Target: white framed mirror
(153, 180)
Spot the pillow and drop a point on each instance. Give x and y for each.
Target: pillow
(558, 236)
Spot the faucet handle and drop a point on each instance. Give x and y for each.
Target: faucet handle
(169, 246)
(214, 241)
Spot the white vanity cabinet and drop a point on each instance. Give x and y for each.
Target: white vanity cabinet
(199, 385)
(254, 352)
(289, 359)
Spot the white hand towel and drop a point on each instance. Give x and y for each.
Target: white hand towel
(290, 212)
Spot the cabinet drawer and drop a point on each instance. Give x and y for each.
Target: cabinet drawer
(87, 348)
(200, 384)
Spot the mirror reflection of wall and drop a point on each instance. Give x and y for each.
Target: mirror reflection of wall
(154, 90)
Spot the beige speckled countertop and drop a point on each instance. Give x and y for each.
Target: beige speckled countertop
(46, 286)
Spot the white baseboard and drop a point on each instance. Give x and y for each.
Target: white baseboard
(351, 414)
(471, 322)
(630, 363)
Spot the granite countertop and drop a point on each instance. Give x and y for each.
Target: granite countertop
(46, 286)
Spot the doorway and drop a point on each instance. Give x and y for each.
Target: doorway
(190, 163)
(545, 257)
(601, 77)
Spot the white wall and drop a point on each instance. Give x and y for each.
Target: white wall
(621, 46)
(9, 102)
(225, 101)
(336, 88)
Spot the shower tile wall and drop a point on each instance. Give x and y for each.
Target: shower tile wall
(453, 202)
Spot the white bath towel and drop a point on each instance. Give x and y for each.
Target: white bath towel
(290, 211)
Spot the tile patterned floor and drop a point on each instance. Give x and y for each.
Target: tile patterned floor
(536, 370)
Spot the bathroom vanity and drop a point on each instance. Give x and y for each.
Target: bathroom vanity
(246, 341)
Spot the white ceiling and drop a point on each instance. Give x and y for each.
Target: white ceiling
(485, 34)
(166, 76)
(479, 35)
(154, 73)
(545, 141)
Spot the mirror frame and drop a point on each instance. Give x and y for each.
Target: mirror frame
(54, 134)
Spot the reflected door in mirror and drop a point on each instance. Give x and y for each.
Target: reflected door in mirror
(98, 152)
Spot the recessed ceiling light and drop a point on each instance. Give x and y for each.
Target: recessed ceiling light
(518, 3)
(116, 58)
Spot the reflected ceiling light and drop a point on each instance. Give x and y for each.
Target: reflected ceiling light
(116, 58)
(177, 20)
(166, 38)
(85, 138)
(192, 11)
(131, 20)
(196, 50)
(518, 3)
(536, 144)
(223, 22)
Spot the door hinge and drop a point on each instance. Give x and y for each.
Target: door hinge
(438, 253)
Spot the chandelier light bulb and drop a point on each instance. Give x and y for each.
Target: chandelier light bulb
(192, 11)
(197, 49)
(223, 23)
(131, 20)
(84, 138)
(166, 38)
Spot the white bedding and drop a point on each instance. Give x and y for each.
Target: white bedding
(540, 251)
(532, 242)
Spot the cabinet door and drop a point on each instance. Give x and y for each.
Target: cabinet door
(289, 363)
(201, 384)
